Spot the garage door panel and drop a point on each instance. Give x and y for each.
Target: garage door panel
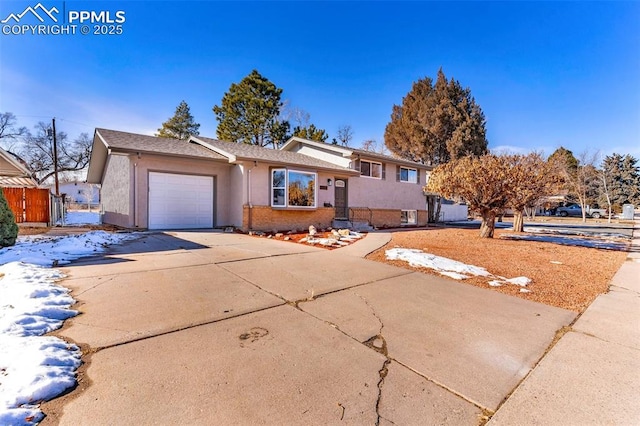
(180, 201)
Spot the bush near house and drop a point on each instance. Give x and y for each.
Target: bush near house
(8, 226)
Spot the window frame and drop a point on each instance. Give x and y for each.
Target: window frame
(409, 170)
(371, 163)
(274, 188)
(404, 221)
(285, 188)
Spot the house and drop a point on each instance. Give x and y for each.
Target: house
(158, 183)
(78, 192)
(28, 203)
(387, 192)
(14, 174)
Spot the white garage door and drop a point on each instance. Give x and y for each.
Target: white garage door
(180, 201)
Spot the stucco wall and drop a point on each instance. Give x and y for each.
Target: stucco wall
(386, 193)
(237, 196)
(116, 195)
(156, 163)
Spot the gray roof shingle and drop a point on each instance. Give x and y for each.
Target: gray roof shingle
(133, 142)
(375, 155)
(276, 156)
(347, 151)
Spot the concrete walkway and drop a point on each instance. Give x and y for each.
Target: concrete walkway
(214, 328)
(592, 375)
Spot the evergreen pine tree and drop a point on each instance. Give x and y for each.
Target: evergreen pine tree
(8, 226)
(436, 123)
(311, 132)
(250, 113)
(623, 180)
(181, 125)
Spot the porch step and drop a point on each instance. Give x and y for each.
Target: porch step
(340, 224)
(358, 226)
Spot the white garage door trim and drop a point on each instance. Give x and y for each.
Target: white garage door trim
(178, 201)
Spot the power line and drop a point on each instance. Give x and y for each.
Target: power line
(48, 117)
(75, 122)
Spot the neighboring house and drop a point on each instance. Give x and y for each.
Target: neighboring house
(159, 183)
(14, 174)
(78, 192)
(28, 203)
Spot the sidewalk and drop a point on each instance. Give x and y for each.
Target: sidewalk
(592, 375)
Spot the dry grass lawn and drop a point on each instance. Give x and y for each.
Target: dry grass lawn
(563, 276)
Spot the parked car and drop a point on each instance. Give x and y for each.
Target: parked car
(576, 210)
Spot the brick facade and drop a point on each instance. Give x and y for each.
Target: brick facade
(266, 218)
(423, 217)
(391, 218)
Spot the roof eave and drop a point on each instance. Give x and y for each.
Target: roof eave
(383, 157)
(232, 158)
(305, 166)
(346, 152)
(96, 165)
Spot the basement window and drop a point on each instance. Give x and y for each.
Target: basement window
(408, 217)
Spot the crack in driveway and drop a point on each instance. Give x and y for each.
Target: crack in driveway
(96, 285)
(378, 344)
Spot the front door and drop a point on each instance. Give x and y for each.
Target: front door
(342, 209)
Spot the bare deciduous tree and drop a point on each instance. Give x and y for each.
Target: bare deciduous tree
(88, 194)
(345, 134)
(10, 133)
(581, 181)
(531, 178)
(37, 152)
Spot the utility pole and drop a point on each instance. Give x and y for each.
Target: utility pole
(55, 157)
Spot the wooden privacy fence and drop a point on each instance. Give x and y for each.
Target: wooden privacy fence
(28, 204)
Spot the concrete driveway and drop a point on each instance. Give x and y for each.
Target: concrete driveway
(215, 328)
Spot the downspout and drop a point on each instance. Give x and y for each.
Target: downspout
(249, 204)
(135, 191)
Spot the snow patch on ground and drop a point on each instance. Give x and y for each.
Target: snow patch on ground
(45, 250)
(33, 367)
(75, 218)
(606, 244)
(571, 232)
(445, 266)
(449, 267)
(521, 281)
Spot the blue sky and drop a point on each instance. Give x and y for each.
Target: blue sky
(546, 74)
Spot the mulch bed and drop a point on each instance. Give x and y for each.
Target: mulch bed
(564, 276)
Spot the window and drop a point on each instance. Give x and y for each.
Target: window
(408, 175)
(292, 188)
(371, 169)
(408, 217)
(278, 188)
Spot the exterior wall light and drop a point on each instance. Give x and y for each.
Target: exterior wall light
(329, 182)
